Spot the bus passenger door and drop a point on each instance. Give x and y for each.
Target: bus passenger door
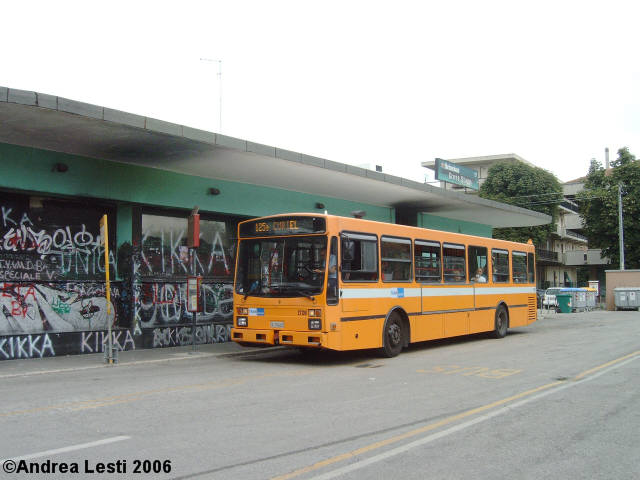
(481, 318)
(333, 294)
(457, 300)
(358, 271)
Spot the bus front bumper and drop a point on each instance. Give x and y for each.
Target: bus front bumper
(308, 338)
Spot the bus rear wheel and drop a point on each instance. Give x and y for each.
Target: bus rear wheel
(501, 323)
(392, 336)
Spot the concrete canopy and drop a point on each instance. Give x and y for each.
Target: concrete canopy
(475, 161)
(54, 123)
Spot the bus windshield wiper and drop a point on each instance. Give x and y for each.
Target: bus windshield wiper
(304, 294)
(297, 291)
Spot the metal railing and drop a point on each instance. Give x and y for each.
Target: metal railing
(571, 233)
(546, 255)
(570, 206)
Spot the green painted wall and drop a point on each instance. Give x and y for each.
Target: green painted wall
(30, 169)
(426, 220)
(125, 225)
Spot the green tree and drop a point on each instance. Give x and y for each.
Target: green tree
(528, 187)
(599, 208)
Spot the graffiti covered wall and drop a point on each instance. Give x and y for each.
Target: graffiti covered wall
(55, 307)
(42, 345)
(52, 267)
(13, 347)
(164, 262)
(162, 304)
(42, 246)
(165, 253)
(52, 290)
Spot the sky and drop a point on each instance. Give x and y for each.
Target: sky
(391, 83)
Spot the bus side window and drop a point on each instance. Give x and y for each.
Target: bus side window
(531, 268)
(500, 265)
(427, 256)
(454, 263)
(478, 264)
(359, 261)
(396, 259)
(519, 267)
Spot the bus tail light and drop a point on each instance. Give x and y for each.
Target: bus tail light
(241, 321)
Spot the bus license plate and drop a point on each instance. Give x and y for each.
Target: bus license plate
(277, 324)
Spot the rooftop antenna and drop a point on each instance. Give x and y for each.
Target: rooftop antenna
(212, 60)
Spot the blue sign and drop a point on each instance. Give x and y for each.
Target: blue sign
(397, 292)
(452, 173)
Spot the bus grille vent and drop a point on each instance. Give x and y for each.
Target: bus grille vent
(531, 308)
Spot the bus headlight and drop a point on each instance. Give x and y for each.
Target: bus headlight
(243, 311)
(315, 324)
(241, 321)
(315, 312)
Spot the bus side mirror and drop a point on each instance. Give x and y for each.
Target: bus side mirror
(348, 250)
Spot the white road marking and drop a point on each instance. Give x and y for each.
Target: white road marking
(121, 364)
(70, 448)
(435, 436)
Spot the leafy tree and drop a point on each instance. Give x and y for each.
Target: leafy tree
(528, 187)
(599, 208)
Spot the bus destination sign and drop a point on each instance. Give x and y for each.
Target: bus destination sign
(456, 174)
(266, 227)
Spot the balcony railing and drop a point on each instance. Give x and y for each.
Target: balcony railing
(573, 234)
(546, 255)
(570, 206)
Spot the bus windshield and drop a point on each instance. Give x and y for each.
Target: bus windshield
(281, 267)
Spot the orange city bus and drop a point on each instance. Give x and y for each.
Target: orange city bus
(323, 281)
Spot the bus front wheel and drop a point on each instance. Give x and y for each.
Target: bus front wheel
(501, 323)
(392, 336)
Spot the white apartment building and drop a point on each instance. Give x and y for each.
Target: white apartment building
(566, 250)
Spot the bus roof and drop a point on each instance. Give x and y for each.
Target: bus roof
(373, 225)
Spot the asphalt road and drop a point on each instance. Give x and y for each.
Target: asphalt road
(558, 399)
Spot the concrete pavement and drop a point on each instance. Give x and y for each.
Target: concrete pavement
(38, 366)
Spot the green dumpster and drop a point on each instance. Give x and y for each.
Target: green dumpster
(564, 302)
